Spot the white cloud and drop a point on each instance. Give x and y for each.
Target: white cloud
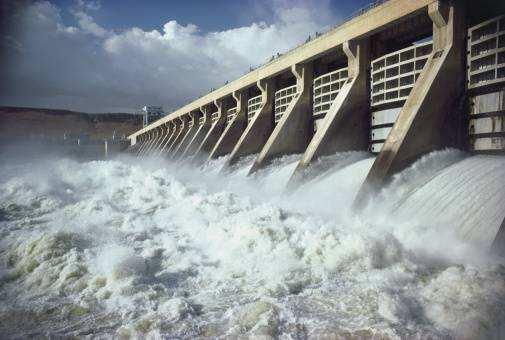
(87, 24)
(88, 5)
(89, 68)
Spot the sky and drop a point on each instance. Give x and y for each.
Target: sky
(117, 56)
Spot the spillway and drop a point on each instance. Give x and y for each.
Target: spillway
(112, 248)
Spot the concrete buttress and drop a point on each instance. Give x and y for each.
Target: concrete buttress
(346, 124)
(182, 128)
(154, 139)
(295, 129)
(201, 132)
(259, 128)
(232, 132)
(419, 128)
(168, 138)
(148, 143)
(190, 132)
(498, 246)
(159, 138)
(143, 141)
(216, 130)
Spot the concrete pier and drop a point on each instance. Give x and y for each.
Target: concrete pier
(293, 130)
(402, 79)
(259, 127)
(171, 129)
(419, 128)
(203, 126)
(234, 128)
(187, 134)
(182, 128)
(216, 129)
(158, 135)
(345, 125)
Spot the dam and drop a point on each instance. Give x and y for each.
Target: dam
(351, 188)
(400, 80)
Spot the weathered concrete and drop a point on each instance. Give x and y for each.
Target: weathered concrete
(134, 146)
(159, 138)
(232, 132)
(162, 131)
(293, 132)
(486, 127)
(259, 128)
(346, 124)
(154, 139)
(172, 129)
(142, 141)
(216, 130)
(179, 149)
(201, 132)
(147, 143)
(498, 246)
(164, 136)
(166, 130)
(373, 20)
(419, 128)
(181, 130)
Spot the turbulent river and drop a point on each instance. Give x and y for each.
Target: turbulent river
(130, 248)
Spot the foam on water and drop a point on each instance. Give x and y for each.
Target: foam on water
(154, 249)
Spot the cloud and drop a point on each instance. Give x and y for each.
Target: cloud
(83, 66)
(87, 24)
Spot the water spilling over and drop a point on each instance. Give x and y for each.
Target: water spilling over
(129, 248)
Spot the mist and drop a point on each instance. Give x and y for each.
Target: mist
(123, 247)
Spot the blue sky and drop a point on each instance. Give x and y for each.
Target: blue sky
(209, 15)
(117, 56)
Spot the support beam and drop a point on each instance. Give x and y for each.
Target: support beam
(201, 132)
(498, 246)
(153, 138)
(232, 132)
(158, 135)
(217, 129)
(143, 141)
(347, 123)
(172, 129)
(259, 128)
(149, 140)
(135, 145)
(182, 128)
(157, 139)
(375, 19)
(295, 129)
(178, 151)
(421, 124)
(165, 132)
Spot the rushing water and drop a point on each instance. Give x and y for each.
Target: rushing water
(152, 249)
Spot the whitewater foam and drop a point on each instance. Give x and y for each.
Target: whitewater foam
(164, 250)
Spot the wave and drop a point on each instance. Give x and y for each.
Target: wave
(157, 249)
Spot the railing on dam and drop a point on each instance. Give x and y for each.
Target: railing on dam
(393, 77)
(283, 98)
(486, 53)
(191, 122)
(394, 74)
(326, 89)
(201, 120)
(231, 115)
(253, 105)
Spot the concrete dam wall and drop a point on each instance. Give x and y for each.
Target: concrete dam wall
(401, 80)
